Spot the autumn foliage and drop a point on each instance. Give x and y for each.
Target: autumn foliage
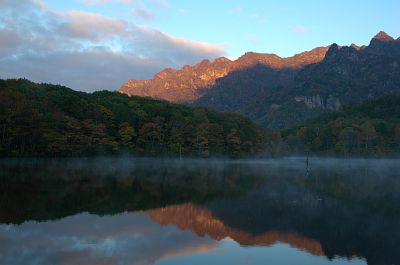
(50, 120)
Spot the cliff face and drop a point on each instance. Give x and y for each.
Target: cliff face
(191, 82)
(281, 92)
(180, 85)
(282, 98)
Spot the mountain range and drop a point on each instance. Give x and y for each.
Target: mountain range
(280, 92)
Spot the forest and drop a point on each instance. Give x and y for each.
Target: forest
(370, 128)
(52, 120)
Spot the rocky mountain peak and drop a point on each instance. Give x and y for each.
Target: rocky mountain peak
(276, 62)
(332, 51)
(301, 59)
(222, 60)
(251, 58)
(383, 36)
(204, 62)
(188, 83)
(164, 73)
(384, 44)
(262, 85)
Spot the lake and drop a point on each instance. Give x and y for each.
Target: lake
(171, 212)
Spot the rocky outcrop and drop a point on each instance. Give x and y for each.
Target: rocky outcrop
(275, 62)
(382, 36)
(191, 82)
(319, 102)
(281, 92)
(347, 75)
(179, 85)
(385, 45)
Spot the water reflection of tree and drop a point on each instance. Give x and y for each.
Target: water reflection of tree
(54, 190)
(350, 209)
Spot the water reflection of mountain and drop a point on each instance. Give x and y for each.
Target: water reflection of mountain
(201, 221)
(346, 209)
(299, 216)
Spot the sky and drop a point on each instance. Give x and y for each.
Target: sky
(93, 45)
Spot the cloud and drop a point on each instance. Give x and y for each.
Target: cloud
(131, 238)
(8, 39)
(88, 70)
(104, 2)
(178, 48)
(298, 28)
(40, 3)
(143, 13)
(91, 26)
(161, 3)
(87, 51)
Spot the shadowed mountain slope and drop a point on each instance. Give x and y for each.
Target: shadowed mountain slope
(190, 82)
(281, 92)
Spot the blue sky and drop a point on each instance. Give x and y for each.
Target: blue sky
(99, 44)
(284, 27)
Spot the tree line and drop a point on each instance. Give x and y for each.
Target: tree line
(371, 128)
(52, 120)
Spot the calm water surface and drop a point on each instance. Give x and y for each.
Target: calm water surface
(171, 212)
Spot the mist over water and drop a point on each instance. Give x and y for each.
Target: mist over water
(118, 164)
(130, 210)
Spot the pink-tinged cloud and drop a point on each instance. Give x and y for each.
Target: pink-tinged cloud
(161, 3)
(8, 39)
(143, 13)
(131, 238)
(92, 26)
(87, 51)
(177, 47)
(104, 2)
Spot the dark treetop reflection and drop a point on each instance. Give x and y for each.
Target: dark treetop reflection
(138, 211)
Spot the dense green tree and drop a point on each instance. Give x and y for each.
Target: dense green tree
(368, 133)
(233, 142)
(371, 128)
(127, 133)
(49, 120)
